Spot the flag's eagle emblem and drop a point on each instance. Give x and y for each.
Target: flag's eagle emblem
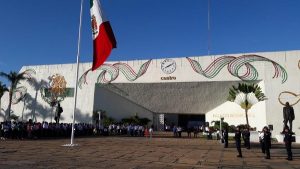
(94, 25)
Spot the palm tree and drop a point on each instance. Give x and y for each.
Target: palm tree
(14, 78)
(3, 89)
(246, 95)
(37, 86)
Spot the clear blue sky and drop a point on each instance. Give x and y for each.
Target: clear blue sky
(45, 31)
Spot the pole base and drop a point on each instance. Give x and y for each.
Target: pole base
(70, 145)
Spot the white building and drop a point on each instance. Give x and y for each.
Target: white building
(175, 87)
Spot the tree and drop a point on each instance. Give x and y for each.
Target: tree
(3, 89)
(246, 95)
(136, 120)
(14, 78)
(217, 125)
(37, 85)
(108, 121)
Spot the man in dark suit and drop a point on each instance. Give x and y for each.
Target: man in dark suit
(288, 116)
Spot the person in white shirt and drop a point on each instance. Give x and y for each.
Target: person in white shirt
(261, 141)
(141, 130)
(151, 132)
(179, 130)
(118, 129)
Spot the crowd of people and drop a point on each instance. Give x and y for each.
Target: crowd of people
(265, 135)
(37, 130)
(40, 130)
(177, 131)
(264, 139)
(132, 130)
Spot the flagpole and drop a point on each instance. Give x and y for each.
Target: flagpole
(77, 74)
(208, 28)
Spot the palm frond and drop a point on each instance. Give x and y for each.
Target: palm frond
(3, 89)
(232, 93)
(5, 75)
(253, 89)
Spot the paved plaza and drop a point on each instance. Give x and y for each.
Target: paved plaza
(138, 152)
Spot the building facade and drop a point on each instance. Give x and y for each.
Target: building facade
(170, 89)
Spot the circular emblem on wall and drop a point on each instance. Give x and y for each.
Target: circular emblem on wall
(168, 66)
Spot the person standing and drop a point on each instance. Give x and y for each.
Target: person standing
(151, 132)
(179, 130)
(175, 131)
(189, 132)
(196, 131)
(261, 141)
(146, 134)
(237, 139)
(247, 138)
(225, 137)
(267, 142)
(288, 116)
(58, 112)
(288, 143)
(243, 136)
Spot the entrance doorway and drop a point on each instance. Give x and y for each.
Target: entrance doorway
(183, 120)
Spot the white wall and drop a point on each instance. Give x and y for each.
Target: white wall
(233, 114)
(117, 106)
(289, 61)
(268, 112)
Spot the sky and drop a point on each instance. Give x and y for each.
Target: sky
(37, 32)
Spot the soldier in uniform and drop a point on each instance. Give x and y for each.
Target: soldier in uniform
(267, 142)
(246, 138)
(237, 139)
(225, 137)
(288, 143)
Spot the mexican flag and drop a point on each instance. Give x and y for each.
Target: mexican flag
(103, 37)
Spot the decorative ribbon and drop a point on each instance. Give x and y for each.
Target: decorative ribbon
(110, 72)
(290, 93)
(234, 64)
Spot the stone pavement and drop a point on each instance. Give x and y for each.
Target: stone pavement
(127, 152)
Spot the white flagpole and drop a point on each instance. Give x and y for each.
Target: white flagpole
(208, 28)
(77, 73)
